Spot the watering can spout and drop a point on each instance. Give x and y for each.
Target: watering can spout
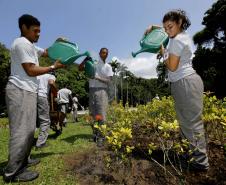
(87, 54)
(134, 54)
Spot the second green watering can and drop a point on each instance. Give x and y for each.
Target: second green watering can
(152, 42)
(65, 51)
(90, 69)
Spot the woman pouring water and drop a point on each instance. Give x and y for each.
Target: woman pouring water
(186, 86)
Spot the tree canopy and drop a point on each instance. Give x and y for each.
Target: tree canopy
(210, 56)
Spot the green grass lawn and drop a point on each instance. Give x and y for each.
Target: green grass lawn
(53, 168)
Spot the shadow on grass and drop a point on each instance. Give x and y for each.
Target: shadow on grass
(2, 166)
(42, 155)
(72, 139)
(54, 135)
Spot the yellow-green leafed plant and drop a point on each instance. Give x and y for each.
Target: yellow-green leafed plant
(154, 126)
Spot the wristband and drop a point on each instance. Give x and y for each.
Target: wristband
(165, 55)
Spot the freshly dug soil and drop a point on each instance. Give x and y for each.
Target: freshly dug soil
(93, 167)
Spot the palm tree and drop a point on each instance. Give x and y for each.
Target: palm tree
(115, 66)
(120, 69)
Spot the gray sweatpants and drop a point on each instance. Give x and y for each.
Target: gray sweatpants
(75, 114)
(43, 120)
(98, 102)
(188, 96)
(22, 112)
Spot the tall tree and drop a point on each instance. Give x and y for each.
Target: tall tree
(210, 56)
(5, 72)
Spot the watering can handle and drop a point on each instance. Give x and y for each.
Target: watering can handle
(66, 41)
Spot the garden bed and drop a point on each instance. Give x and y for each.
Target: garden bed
(94, 167)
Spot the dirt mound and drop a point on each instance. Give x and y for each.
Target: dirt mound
(95, 167)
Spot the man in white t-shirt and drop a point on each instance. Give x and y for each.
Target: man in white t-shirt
(98, 95)
(21, 99)
(43, 119)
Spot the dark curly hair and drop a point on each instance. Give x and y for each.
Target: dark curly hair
(177, 15)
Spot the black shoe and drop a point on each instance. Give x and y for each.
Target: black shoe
(58, 132)
(24, 176)
(32, 162)
(94, 138)
(197, 168)
(100, 141)
(191, 167)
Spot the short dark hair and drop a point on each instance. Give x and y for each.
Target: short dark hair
(176, 15)
(103, 49)
(28, 20)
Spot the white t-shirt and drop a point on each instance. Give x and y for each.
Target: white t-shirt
(102, 70)
(181, 46)
(43, 87)
(63, 95)
(23, 51)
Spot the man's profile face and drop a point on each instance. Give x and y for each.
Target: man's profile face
(32, 33)
(103, 54)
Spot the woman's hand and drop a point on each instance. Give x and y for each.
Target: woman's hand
(58, 64)
(150, 28)
(61, 39)
(161, 52)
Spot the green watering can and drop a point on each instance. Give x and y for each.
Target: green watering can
(90, 69)
(152, 42)
(65, 51)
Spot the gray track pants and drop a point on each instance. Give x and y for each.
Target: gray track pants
(43, 120)
(188, 96)
(75, 114)
(22, 112)
(98, 102)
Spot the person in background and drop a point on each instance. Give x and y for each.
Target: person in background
(43, 118)
(157, 97)
(21, 99)
(98, 95)
(75, 104)
(64, 100)
(186, 87)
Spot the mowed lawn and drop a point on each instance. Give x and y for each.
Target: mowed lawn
(53, 168)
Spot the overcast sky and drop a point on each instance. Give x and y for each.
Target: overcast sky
(92, 24)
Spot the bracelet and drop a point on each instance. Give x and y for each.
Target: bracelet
(165, 55)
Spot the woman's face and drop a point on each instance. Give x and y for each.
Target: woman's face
(172, 28)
